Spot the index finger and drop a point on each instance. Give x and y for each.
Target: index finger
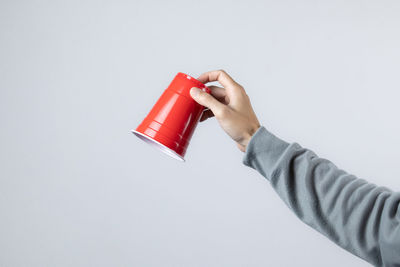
(221, 76)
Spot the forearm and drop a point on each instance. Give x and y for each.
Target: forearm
(360, 217)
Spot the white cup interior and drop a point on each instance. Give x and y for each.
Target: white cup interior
(158, 146)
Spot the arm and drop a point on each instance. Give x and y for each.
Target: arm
(358, 216)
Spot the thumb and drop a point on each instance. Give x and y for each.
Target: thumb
(206, 99)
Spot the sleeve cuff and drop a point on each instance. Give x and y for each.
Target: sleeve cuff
(263, 151)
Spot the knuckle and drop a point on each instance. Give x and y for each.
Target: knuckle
(222, 71)
(240, 90)
(243, 91)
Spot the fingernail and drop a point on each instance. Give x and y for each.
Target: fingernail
(194, 91)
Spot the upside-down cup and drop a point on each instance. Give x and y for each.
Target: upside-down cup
(170, 124)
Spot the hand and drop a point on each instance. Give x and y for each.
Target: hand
(230, 105)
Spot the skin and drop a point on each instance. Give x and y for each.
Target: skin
(229, 104)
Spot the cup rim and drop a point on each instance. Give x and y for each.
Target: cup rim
(158, 145)
(192, 78)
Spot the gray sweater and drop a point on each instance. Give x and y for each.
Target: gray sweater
(359, 216)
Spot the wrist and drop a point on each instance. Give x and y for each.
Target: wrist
(248, 135)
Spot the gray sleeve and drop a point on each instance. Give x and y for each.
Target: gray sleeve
(358, 216)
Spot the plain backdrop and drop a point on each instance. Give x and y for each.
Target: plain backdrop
(77, 188)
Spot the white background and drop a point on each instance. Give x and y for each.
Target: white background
(78, 189)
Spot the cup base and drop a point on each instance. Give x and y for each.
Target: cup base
(158, 146)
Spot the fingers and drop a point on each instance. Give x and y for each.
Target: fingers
(206, 100)
(220, 94)
(223, 78)
(217, 75)
(206, 115)
(217, 91)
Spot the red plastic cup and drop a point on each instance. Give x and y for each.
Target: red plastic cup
(171, 122)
